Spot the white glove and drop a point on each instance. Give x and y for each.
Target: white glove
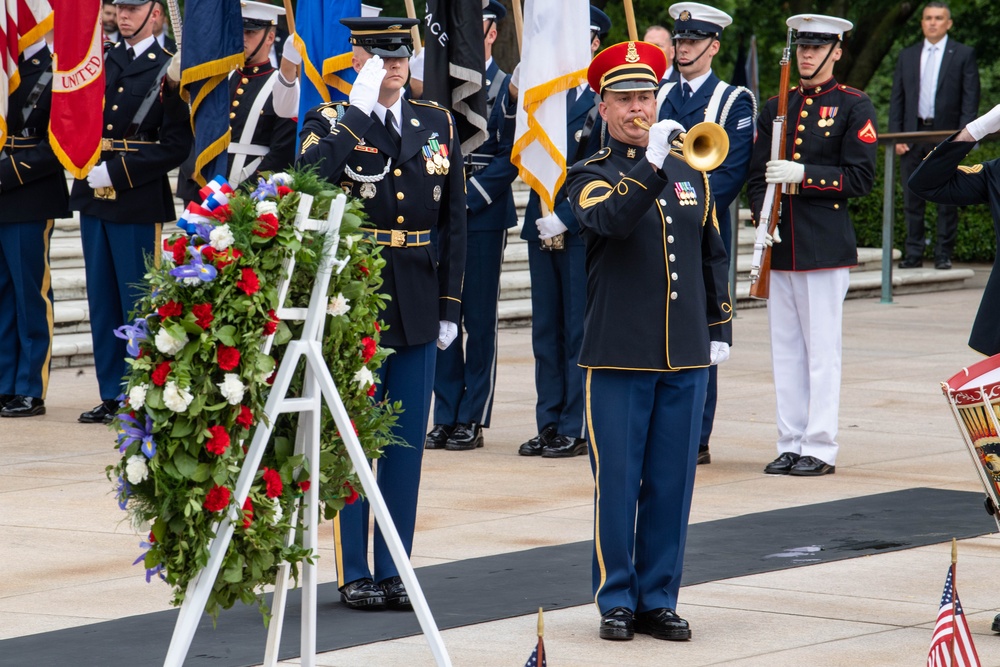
(719, 352)
(515, 76)
(289, 52)
(174, 69)
(986, 124)
(659, 141)
(549, 225)
(98, 177)
(784, 171)
(447, 334)
(364, 93)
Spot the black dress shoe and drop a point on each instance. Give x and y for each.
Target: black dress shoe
(4, 399)
(782, 464)
(23, 406)
(535, 446)
(102, 414)
(996, 623)
(704, 456)
(563, 447)
(810, 466)
(465, 436)
(942, 263)
(663, 624)
(911, 263)
(617, 624)
(363, 594)
(438, 436)
(395, 594)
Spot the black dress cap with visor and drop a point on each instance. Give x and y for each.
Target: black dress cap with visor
(385, 36)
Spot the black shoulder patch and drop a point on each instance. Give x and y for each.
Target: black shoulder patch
(599, 155)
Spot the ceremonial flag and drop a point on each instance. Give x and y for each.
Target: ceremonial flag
(537, 657)
(213, 47)
(455, 64)
(952, 638)
(326, 51)
(75, 125)
(22, 22)
(555, 53)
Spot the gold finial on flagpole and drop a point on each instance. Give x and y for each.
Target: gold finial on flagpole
(541, 623)
(954, 551)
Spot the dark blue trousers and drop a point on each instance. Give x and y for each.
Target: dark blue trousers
(466, 376)
(643, 430)
(115, 255)
(25, 308)
(406, 376)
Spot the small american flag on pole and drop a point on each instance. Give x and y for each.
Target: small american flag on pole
(537, 658)
(952, 644)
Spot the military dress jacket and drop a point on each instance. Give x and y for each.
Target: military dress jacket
(414, 197)
(942, 179)
(162, 140)
(273, 133)
(657, 273)
(32, 182)
(489, 170)
(831, 129)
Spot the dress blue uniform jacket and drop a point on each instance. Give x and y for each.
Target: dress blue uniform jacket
(940, 179)
(489, 197)
(839, 158)
(425, 282)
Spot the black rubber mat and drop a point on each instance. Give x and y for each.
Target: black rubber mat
(495, 587)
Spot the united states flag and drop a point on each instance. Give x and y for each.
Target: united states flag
(537, 658)
(951, 632)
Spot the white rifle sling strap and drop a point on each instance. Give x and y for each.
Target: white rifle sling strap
(712, 111)
(245, 147)
(662, 95)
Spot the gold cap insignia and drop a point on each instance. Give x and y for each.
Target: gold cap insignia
(685, 16)
(632, 56)
(395, 27)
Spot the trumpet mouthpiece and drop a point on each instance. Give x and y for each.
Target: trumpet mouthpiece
(640, 122)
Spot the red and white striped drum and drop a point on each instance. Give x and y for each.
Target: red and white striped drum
(974, 395)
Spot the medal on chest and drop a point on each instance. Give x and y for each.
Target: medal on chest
(826, 116)
(686, 194)
(435, 157)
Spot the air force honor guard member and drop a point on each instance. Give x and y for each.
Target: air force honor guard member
(126, 196)
(463, 384)
(32, 193)
(699, 96)
(658, 314)
(404, 159)
(830, 157)
(262, 141)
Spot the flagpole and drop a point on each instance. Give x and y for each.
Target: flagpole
(633, 34)
(954, 600)
(289, 16)
(518, 23)
(411, 12)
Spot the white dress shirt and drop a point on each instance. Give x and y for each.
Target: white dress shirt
(929, 78)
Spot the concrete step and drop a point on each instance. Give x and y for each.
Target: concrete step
(515, 285)
(69, 284)
(65, 252)
(72, 350)
(71, 316)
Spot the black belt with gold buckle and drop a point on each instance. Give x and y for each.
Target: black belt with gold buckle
(398, 238)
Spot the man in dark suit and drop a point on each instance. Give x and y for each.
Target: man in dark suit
(404, 159)
(660, 36)
(466, 375)
(935, 87)
(126, 196)
(32, 193)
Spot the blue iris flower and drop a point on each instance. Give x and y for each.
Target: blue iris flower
(132, 334)
(195, 268)
(264, 190)
(150, 573)
(132, 431)
(201, 229)
(123, 491)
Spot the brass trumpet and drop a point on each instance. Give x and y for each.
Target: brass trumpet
(704, 147)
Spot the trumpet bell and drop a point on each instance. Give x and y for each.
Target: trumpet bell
(705, 146)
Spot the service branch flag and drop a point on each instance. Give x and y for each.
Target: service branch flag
(555, 53)
(213, 47)
(327, 74)
(77, 85)
(22, 22)
(952, 644)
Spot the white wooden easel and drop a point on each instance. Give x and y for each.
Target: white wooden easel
(318, 386)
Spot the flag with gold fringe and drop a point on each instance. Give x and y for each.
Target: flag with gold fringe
(22, 23)
(556, 43)
(213, 47)
(324, 43)
(77, 86)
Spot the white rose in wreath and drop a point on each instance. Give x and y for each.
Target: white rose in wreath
(176, 398)
(364, 378)
(232, 389)
(167, 344)
(278, 512)
(137, 396)
(339, 305)
(136, 470)
(265, 207)
(221, 238)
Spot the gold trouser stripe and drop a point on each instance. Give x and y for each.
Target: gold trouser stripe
(46, 284)
(597, 497)
(157, 244)
(338, 550)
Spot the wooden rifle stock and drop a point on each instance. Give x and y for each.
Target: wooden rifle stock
(760, 287)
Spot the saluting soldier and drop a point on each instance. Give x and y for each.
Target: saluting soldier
(403, 158)
(261, 140)
(127, 196)
(658, 314)
(32, 193)
(830, 157)
(465, 378)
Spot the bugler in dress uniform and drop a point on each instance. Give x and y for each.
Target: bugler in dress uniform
(404, 158)
(658, 314)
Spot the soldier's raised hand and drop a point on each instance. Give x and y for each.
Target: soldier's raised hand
(986, 124)
(364, 93)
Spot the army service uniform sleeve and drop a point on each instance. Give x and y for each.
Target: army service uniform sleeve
(941, 178)
(329, 144)
(452, 230)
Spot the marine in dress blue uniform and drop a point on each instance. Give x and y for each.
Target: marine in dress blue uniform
(32, 193)
(697, 29)
(830, 157)
(126, 196)
(658, 314)
(559, 289)
(465, 378)
(411, 179)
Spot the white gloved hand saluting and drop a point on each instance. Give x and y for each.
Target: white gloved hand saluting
(447, 333)
(549, 225)
(784, 171)
(364, 93)
(98, 177)
(174, 68)
(719, 352)
(986, 124)
(659, 141)
(289, 52)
